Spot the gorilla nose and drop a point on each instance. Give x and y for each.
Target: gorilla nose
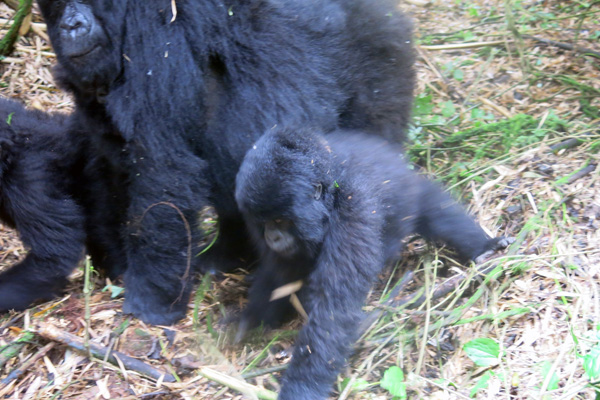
(74, 21)
(273, 236)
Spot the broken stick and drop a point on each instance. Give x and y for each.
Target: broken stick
(52, 333)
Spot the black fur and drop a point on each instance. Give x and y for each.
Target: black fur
(34, 200)
(335, 208)
(168, 106)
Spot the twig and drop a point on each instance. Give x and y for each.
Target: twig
(427, 266)
(495, 106)
(264, 371)
(565, 144)
(11, 322)
(416, 299)
(39, 25)
(581, 173)
(52, 333)
(564, 46)
(14, 4)
(11, 60)
(27, 364)
(375, 314)
(518, 38)
(236, 384)
(87, 293)
(460, 46)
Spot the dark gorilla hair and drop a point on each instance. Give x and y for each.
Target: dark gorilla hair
(331, 210)
(34, 200)
(167, 105)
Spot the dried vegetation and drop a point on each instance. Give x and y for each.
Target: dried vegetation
(508, 117)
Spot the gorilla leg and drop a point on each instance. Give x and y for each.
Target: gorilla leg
(337, 290)
(50, 226)
(104, 209)
(162, 230)
(441, 218)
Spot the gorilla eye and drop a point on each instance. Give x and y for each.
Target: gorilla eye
(318, 191)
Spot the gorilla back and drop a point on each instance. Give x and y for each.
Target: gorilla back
(172, 101)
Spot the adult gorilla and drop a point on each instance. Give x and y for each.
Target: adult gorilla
(170, 95)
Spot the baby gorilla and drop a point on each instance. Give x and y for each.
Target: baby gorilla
(34, 200)
(331, 210)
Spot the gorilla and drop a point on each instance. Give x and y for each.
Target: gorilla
(330, 211)
(34, 199)
(169, 96)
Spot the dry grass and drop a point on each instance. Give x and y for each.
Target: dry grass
(542, 308)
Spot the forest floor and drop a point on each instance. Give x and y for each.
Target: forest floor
(507, 116)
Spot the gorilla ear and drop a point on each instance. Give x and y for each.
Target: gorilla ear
(318, 191)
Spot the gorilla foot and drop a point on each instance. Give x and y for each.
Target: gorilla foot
(20, 297)
(153, 312)
(496, 244)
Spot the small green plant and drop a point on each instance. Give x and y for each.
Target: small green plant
(358, 385)
(482, 383)
(546, 369)
(115, 291)
(393, 382)
(448, 109)
(453, 70)
(484, 352)
(591, 363)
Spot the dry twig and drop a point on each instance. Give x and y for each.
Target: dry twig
(52, 333)
(27, 364)
(236, 384)
(564, 46)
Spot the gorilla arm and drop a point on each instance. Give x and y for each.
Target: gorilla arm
(350, 258)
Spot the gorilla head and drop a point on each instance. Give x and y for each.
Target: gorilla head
(86, 36)
(292, 176)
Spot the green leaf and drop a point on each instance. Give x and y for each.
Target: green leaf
(468, 36)
(448, 109)
(553, 383)
(484, 352)
(591, 363)
(357, 386)
(393, 382)
(473, 12)
(115, 291)
(482, 383)
(423, 105)
(9, 118)
(458, 74)
(477, 113)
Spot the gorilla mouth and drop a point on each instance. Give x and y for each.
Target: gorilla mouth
(84, 52)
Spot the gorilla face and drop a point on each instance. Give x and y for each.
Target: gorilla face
(284, 189)
(86, 35)
(280, 238)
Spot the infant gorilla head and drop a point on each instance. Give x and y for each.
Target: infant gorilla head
(330, 210)
(285, 190)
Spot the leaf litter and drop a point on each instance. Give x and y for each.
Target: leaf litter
(509, 122)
